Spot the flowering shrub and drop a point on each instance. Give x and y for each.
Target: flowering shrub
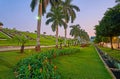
(40, 66)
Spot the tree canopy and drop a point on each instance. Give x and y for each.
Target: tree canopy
(109, 26)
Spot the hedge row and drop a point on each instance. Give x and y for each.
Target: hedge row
(40, 66)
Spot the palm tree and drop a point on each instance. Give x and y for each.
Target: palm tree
(69, 11)
(56, 16)
(75, 31)
(42, 4)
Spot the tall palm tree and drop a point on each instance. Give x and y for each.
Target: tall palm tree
(56, 16)
(69, 11)
(75, 31)
(42, 4)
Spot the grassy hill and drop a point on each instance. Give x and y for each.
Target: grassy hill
(10, 34)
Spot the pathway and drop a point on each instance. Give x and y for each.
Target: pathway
(9, 48)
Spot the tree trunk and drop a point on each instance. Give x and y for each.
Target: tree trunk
(111, 42)
(60, 45)
(118, 43)
(57, 37)
(22, 48)
(37, 48)
(65, 36)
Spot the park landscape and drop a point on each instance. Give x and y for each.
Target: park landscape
(60, 57)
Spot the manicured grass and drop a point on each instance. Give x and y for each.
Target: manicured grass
(115, 54)
(2, 36)
(85, 64)
(44, 39)
(82, 65)
(9, 59)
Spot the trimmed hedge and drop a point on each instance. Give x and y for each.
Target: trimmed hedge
(40, 66)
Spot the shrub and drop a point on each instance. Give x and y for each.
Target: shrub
(40, 66)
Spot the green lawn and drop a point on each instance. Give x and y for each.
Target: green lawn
(2, 36)
(9, 59)
(115, 54)
(82, 65)
(85, 64)
(44, 39)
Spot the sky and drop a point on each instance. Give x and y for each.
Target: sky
(17, 14)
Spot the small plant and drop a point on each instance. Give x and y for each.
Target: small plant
(22, 40)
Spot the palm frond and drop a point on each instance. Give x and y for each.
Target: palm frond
(75, 8)
(50, 14)
(33, 4)
(49, 21)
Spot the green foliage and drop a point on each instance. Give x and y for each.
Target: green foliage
(69, 10)
(115, 54)
(75, 31)
(56, 16)
(40, 66)
(109, 25)
(79, 33)
(21, 39)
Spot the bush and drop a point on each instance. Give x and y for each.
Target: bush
(40, 66)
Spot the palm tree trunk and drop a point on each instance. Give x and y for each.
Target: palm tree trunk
(65, 36)
(111, 42)
(57, 37)
(39, 27)
(22, 48)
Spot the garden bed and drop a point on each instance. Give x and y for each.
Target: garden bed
(112, 64)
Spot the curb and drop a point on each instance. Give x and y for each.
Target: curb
(113, 77)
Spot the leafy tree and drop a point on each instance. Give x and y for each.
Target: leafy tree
(69, 11)
(110, 24)
(42, 4)
(56, 16)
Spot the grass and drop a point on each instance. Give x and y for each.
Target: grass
(82, 65)
(9, 59)
(44, 39)
(115, 54)
(85, 64)
(2, 36)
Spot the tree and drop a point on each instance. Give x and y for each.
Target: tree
(110, 24)
(69, 11)
(84, 36)
(56, 16)
(42, 4)
(75, 31)
(22, 40)
(117, 0)
(1, 24)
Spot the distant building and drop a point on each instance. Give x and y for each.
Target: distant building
(92, 38)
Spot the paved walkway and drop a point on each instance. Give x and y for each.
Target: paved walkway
(9, 48)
